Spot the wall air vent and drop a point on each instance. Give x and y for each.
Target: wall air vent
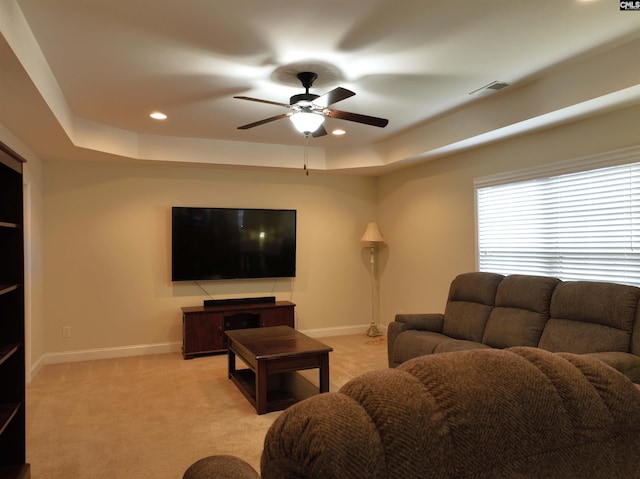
(489, 89)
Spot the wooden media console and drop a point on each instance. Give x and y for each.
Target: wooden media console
(203, 327)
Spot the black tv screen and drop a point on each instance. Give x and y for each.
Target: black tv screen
(232, 243)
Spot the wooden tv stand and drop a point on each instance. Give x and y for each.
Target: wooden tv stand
(203, 327)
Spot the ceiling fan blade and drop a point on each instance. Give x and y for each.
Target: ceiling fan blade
(319, 132)
(358, 118)
(334, 96)
(262, 122)
(268, 102)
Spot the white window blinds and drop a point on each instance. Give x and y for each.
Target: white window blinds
(580, 225)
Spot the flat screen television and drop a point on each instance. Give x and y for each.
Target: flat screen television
(232, 243)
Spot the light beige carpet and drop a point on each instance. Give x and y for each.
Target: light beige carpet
(150, 417)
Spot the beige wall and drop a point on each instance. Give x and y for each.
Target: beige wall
(99, 236)
(108, 237)
(427, 212)
(34, 261)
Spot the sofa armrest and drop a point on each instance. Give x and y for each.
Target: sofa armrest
(220, 467)
(426, 322)
(626, 363)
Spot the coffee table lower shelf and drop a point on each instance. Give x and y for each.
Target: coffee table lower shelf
(283, 390)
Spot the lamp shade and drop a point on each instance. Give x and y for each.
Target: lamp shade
(372, 234)
(306, 122)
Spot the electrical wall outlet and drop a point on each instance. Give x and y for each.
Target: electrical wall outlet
(66, 331)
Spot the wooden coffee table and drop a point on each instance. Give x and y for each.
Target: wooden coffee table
(273, 355)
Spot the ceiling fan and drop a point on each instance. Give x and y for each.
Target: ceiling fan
(307, 110)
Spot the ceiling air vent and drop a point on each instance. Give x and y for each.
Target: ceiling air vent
(489, 89)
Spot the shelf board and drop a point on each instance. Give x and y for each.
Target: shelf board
(4, 224)
(7, 288)
(283, 389)
(21, 471)
(7, 350)
(7, 412)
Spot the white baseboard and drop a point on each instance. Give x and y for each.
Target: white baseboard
(162, 348)
(339, 331)
(109, 353)
(35, 369)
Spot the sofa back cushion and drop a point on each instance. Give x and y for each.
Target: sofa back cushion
(471, 299)
(590, 317)
(522, 309)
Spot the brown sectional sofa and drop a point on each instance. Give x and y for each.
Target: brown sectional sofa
(490, 413)
(488, 310)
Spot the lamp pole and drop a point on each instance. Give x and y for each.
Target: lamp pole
(373, 330)
(372, 237)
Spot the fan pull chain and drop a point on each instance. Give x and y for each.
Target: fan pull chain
(306, 154)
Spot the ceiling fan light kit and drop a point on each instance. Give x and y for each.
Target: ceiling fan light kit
(309, 110)
(306, 122)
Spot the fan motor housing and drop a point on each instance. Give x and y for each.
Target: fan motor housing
(308, 97)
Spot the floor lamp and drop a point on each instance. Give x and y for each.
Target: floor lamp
(373, 239)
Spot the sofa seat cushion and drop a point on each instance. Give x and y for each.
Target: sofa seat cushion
(412, 343)
(458, 345)
(626, 363)
(522, 310)
(590, 317)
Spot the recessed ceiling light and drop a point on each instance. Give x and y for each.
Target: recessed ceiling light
(156, 115)
(338, 132)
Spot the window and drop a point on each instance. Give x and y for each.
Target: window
(563, 222)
